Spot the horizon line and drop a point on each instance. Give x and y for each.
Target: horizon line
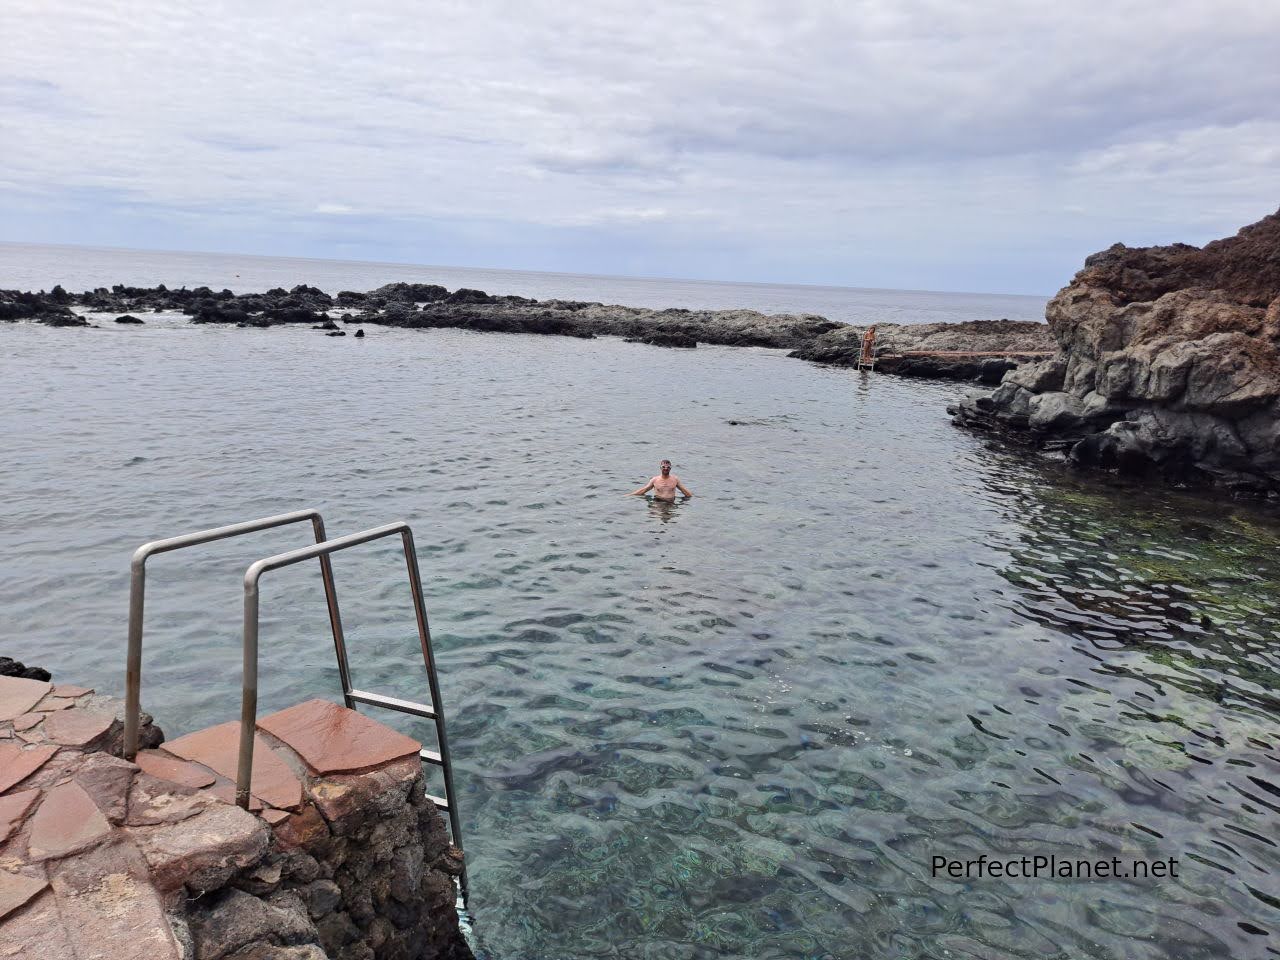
(552, 273)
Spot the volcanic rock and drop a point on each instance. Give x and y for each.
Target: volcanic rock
(1168, 364)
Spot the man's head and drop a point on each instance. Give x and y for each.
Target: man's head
(665, 467)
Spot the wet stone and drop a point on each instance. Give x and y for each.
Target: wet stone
(17, 763)
(66, 821)
(332, 739)
(218, 748)
(19, 695)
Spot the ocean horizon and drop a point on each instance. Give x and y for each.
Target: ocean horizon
(40, 266)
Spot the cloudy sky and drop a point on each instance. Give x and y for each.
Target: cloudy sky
(927, 144)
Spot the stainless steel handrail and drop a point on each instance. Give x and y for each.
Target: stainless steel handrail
(249, 701)
(137, 592)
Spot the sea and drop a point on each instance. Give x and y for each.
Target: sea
(750, 724)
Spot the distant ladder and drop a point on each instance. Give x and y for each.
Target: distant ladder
(322, 549)
(867, 358)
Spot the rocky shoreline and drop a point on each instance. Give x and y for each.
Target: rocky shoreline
(1168, 366)
(428, 306)
(1156, 361)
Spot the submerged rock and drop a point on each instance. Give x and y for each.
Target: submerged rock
(666, 340)
(1168, 364)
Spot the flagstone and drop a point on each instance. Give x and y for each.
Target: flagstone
(37, 923)
(66, 821)
(166, 767)
(18, 695)
(218, 748)
(332, 739)
(107, 779)
(16, 890)
(27, 721)
(109, 908)
(17, 763)
(78, 728)
(67, 690)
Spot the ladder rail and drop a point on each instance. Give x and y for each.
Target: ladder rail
(137, 602)
(249, 699)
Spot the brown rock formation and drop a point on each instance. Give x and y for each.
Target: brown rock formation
(1168, 364)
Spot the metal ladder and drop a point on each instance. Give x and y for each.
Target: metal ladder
(322, 550)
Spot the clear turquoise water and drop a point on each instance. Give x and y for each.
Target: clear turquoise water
(736, 727)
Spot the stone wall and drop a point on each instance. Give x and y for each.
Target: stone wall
(340, 856)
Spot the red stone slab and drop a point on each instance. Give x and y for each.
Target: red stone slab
(18, 696)
(66, 690)
(332, 739)
(275, 816)
(218, 748)
(66, 821)
(27, 721)
(17, 890)
(78, 728)
(184, 772)
(13, 807)
(16, 764)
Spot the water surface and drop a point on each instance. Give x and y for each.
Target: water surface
(739, 726)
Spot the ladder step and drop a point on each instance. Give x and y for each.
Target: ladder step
(392, 703)
(440, 802)
(430, 756)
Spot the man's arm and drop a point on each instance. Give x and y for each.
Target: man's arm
(683, 489)
(643, 490)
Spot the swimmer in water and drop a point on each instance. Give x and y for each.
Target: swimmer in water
(664, 485)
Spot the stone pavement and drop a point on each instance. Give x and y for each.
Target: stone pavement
(341, 856)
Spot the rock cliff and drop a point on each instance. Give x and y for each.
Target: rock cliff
(1168, 364)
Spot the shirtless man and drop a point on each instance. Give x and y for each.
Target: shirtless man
(664, 485)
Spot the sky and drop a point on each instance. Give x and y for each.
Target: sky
(921, 144)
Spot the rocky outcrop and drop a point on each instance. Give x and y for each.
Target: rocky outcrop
(427, 306)
(981, 350)
(1168, 364)
(52, 309)
(10, 667)
(430, 306)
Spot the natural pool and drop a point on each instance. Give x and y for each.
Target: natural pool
(740, 726)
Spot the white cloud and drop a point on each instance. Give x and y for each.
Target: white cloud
(827, 137)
